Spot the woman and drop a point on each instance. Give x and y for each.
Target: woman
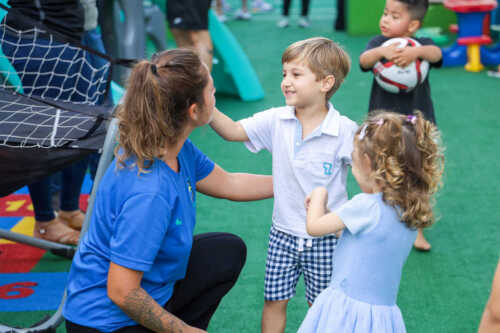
(138, 268)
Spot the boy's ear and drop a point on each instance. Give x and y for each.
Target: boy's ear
(327, 83)
(414, 26)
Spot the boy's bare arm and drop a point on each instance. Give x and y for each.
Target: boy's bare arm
(407, 55)
(227, 128)
(369, 58)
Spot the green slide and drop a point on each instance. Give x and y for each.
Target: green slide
(232, 71)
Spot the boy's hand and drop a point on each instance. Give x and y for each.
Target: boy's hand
(391, 51)
(405, 56)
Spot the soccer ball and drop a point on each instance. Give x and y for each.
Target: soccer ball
(396, 79)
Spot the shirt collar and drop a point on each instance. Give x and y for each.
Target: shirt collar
(330, 125)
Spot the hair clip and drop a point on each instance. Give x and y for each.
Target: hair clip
(362, 133)
(412, 119)
(380, 122)
(154, 69)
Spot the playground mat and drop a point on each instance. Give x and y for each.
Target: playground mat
(442, 291)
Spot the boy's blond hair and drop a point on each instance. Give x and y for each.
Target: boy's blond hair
(323, 57)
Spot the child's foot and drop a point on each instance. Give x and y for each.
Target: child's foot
(421, 244)
(303, 22)
(222, 18)
(283, 22)
(56, 231)
(242, 15)
(261, 6)
(73, 219)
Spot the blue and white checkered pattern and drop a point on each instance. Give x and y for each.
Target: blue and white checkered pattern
(289, 256)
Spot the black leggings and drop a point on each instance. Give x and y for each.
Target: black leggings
(305, 7)
(214, 266)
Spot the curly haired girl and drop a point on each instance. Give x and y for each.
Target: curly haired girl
(398, 163)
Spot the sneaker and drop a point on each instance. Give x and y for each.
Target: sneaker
(222, 18)
(283, 22)
(303, 22)
(261, 6)
(242, 15)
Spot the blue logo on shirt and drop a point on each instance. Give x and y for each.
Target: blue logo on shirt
(327, 167)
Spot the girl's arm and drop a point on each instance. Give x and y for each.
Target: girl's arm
(227, 128)
(236, 186)
(319, 222)
(124, 289)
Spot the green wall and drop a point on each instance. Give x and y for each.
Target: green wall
(363, 16)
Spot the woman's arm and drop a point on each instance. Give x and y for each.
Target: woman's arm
(227, 128)
(236, 186)
(124, 289)
(319, 222)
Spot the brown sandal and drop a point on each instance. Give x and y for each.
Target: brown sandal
(74, 220)
(56, 231)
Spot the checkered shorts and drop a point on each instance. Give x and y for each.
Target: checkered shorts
(289, 256)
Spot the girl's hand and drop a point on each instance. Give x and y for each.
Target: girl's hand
(319, 193)
(307, 202)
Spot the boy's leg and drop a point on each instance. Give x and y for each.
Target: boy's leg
(282, 274)
(317, 263)
(274, 316)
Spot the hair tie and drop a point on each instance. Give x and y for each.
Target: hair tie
(362, 133)
(380, 122)
(412, 119)
(154, 69)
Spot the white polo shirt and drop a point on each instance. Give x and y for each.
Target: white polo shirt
(299, 166)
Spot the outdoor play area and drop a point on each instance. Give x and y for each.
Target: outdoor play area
(443, 290)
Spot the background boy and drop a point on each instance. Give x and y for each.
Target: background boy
(402, 18)
(311, 145)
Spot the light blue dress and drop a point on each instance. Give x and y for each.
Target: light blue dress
(367, 270)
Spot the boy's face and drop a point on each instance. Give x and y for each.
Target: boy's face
(396, 20)
(300, 85)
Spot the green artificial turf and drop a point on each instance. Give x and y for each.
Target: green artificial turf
(441, 291)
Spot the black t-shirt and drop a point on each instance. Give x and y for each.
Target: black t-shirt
(63, 16)
(404, 102)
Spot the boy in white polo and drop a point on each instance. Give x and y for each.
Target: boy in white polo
(311, 145)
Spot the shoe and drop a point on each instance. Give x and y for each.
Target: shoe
(303, 22)
(261, 6)
(56, 231)
(222, 18)
(283, 23)
(242, 15)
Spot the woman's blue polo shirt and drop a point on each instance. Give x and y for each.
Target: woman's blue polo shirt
(144, 222)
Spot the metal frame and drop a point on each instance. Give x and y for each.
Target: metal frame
(51, 323)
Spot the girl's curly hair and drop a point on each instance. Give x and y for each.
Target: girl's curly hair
(407, 162)
(154, 111)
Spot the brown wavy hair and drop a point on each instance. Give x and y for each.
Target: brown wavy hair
(323, 57)
(407, 162)
(154, 111)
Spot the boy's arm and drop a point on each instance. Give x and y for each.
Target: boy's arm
(370, 57)
(227, 128)
(407, 55)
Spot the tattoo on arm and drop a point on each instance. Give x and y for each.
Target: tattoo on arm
(142, 308)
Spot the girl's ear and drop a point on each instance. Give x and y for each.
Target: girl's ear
(366, 162)
(327, 83)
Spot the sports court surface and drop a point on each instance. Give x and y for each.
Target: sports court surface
(441, 291)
